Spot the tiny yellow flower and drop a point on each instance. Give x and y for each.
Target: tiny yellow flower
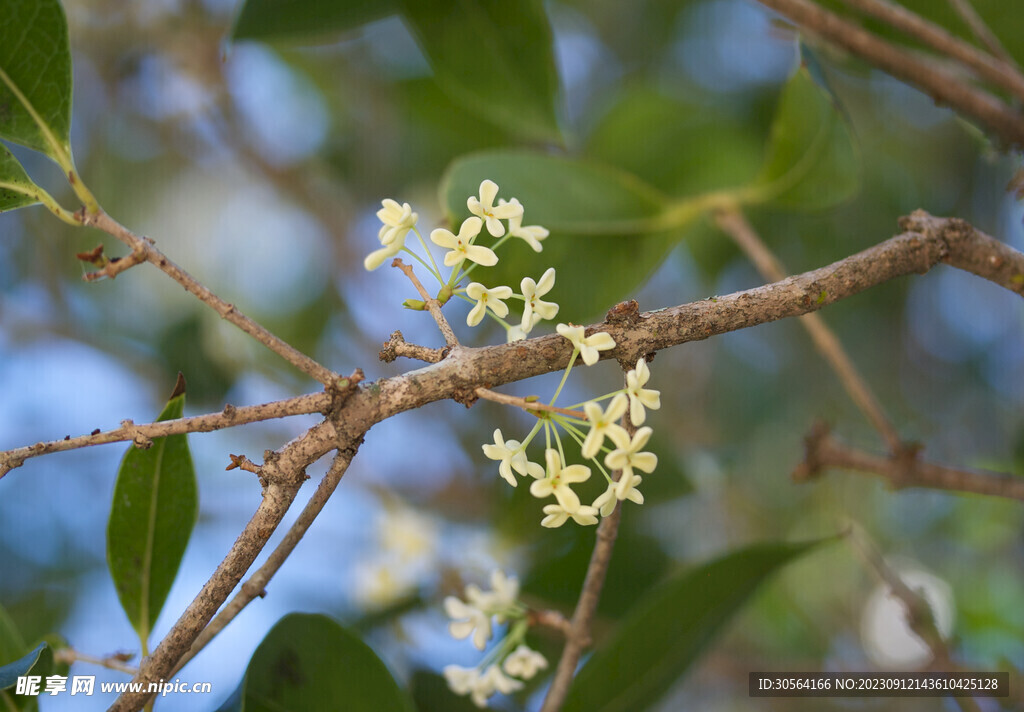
(486, 299)
(589, 346)
(461, 245)
(485, 209)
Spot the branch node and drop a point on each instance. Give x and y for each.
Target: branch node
(139, 439)
(624, 313)
(241, 462)
(814, 442)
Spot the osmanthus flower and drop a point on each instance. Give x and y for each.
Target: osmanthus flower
(558, 480)
(604, 423)
(588, 346)
(486, 299)
(627, 455)
(485, 209)
(556, 515)
(461, 246)
(524, 662)
(493, 680)
(511, 456)
(378, 257)
(397, 219)
(535, 306)
(468, 619)
(461, 681)
(627, 488)
(532, 234)
(639, 397)
(503, 596)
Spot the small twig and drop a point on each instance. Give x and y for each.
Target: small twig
(254, 587)
(550, 619)
(919, 615)
(734, 224)
(228, 312)
(943, 86)
(578, 637)
(241, 462)
(997, 71)
(116, 266)
(532, 407)
(982, 31)
(902, 470)
(227, 418)
(117, 661)
(397, 346)
(432, 304)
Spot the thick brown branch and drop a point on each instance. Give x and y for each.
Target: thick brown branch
(256, 584)
(227, 418)
(736, 226)
(284, 472)
(228, 312)
(943, 86)
(997, 71)
(902, 470)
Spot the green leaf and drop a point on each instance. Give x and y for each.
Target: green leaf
(16, 189)
(495, 57)
(305, 19)
(308, 663)
(811, 163)
(155, 507)
(38, 662)
(606, 235)
(35, 78)
(671, 626)
(12, 644)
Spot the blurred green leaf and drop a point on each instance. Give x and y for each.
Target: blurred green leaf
(811, 163)
(670, 627)
(494, 57)
(12, 644)
(307, 663)
(16, 189)
(604, 224)
(155, 507)
(35, 77)
(431, 693)
(681, 147)
(38, 662)
(305, 19)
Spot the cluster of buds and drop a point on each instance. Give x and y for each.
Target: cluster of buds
(511, 661)
(464, 254)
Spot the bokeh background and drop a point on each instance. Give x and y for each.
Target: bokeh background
(259, 168)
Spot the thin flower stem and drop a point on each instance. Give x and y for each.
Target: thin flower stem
(533, 432)
(437, 270)
(527, 405)
(598, 400)
(420, 260)
(572, 360)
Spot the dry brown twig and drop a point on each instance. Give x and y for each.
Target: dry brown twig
(734, 224)
(942, 85)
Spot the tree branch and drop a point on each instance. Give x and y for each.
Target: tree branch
(932, 240)
(256, 584)
(141, 246)
(982, 31)
(141, 434)
(941, 85)
(736, 226)
(997, 71)
(902, 469)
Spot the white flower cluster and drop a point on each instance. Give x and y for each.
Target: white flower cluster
(511, 662)
(464, 254)
(556, 477)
